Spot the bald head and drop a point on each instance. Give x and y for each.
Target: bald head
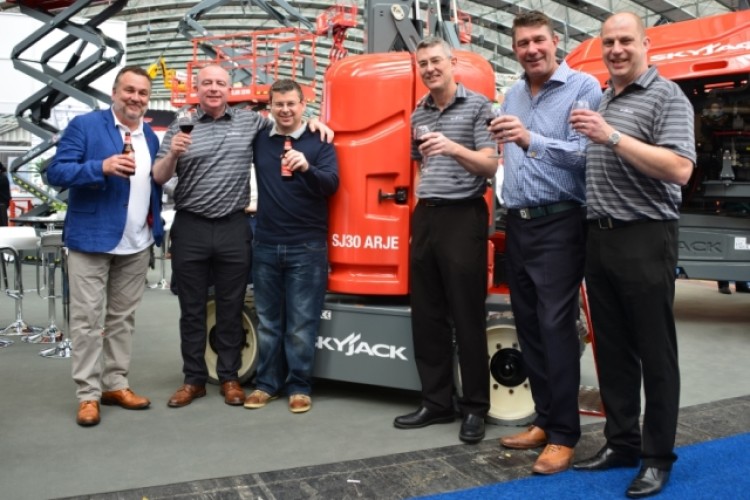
(624, 48)
(626, 18)
(213, 89)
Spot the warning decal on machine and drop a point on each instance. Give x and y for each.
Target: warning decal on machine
(741, 244)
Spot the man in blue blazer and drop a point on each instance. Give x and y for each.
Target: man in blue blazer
(113, 219)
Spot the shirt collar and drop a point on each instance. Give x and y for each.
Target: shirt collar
(461, 93)
(296, 134)
(643, 81)
(228, 113)
(123, 127)
(560, 75)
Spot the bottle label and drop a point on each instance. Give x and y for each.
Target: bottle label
(286, 173)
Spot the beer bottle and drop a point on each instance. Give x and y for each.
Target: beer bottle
(127, 148)
(286, 174)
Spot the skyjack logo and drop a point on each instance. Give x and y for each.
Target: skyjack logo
(352, 345)
(707, 50)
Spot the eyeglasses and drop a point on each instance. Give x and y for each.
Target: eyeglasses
(282, 105)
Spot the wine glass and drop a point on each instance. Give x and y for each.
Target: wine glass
(496, 111)
(185, 121)
(581, 104)
(419, 132)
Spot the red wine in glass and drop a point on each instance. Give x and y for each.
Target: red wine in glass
(185, 121)
(495, 112)
(419, 132)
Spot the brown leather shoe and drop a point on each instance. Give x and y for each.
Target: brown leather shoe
(186, 394)
(533, 437)
(553, 459)
(233, 393)
(125, 398)
(88, 413)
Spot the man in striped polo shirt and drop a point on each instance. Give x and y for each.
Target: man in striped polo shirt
(544, 190)
(210, 235)
(449, 245)
(643, 150)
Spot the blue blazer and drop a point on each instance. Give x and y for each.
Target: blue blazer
(97, 203)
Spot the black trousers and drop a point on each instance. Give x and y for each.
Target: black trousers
(211, 251)
(545, 259)
(449, 289)
(630, 274)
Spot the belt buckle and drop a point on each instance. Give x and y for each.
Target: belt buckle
(605, 223)
(524, 213)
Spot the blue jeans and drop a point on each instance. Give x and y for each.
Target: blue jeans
(290, 286)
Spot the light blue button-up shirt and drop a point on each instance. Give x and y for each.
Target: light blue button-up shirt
(552, 169)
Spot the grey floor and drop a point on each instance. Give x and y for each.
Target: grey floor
(346, 437)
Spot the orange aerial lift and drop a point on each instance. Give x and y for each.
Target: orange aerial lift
(260, 57)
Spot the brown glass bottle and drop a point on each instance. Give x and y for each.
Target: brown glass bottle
(127, 148)
(286, 173)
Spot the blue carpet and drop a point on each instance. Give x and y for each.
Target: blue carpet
(717, 469)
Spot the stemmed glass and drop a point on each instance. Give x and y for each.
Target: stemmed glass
(419, 132)
(581, 104)
(495, 112)
(185, 121)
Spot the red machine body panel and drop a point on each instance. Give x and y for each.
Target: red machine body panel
(699, 48)
(368, 102)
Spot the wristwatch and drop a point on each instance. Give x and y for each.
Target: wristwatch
(614, 138)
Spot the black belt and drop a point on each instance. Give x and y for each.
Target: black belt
(214, 219)
(536, 212)
(610, 223)
(444, 202)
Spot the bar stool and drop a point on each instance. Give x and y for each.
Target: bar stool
(168, 217)
(14, 240)
(49, 259)
(51, 243)
(4, 342)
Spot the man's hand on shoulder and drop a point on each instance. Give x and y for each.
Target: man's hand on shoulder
(326, 134)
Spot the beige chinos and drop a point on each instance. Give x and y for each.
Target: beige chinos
(101, 353)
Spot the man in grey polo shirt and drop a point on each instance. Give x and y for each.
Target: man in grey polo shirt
(643, 150)
(210, 234)
(449, 245)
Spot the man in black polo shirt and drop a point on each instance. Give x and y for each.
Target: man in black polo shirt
(449, 245)
(643, 150)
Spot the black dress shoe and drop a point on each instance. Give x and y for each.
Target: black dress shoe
(472, 429)
(606, 458)
(424, 417)
(649, 481)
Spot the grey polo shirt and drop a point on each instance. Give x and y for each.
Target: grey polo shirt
(462, 121)
(213, 174)
(654, 110)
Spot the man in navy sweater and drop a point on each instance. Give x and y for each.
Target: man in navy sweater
(296, 173)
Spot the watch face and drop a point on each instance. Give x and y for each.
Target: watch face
(614, 138)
